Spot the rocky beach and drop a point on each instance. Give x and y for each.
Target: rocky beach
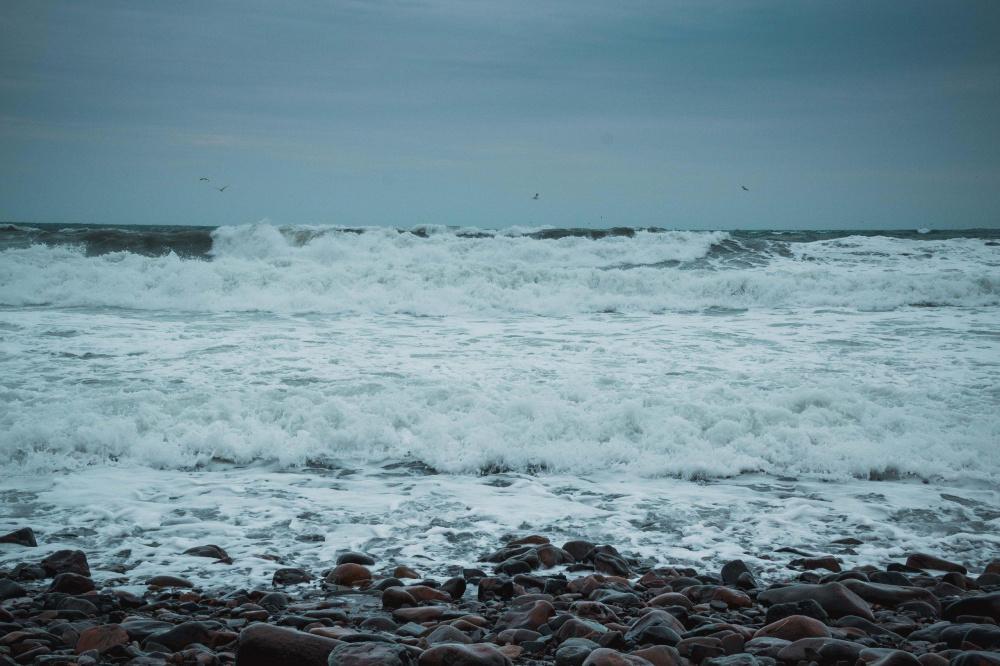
(528, 602)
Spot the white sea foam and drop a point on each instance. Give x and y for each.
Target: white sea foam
(265, 268)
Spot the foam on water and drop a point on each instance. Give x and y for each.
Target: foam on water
(688, 396)
(264, 268)
(139, 521)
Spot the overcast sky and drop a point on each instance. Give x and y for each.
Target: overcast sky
(834, 114)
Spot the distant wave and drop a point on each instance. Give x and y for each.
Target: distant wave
(441, 271)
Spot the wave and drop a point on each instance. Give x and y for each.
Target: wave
(440, 271)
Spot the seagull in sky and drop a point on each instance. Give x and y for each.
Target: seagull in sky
(203, 178)
(535, 198)
(745, 188)
(223, 188)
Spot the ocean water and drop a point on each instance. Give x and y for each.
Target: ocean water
(687, 396)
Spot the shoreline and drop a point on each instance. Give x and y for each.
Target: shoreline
(528, 602)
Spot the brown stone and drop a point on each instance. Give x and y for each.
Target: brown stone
(404, 572)
(794, 627)
(609, 657)
(101, 638)
(476, 654)
(349, 574)
(670, 599)
(169, 581)
(266, 645)
(925, 561)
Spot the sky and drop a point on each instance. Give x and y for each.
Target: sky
(839, 114)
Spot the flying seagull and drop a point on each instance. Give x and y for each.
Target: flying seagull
(535, 198)
(203, 178)
(223, 188)
(745, 188)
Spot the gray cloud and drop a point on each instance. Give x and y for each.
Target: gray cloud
(838, 114)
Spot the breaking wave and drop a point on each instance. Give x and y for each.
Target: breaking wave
(437, 271)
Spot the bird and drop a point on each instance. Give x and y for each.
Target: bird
(535, 198)
(223, 188)
(203, 178)
(745, 188)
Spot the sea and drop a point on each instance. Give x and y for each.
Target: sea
(419, 394)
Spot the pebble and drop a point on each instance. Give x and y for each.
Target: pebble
(623, 613)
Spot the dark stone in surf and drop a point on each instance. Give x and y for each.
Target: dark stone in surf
(210, 551)
(22, 537)
(66, 561)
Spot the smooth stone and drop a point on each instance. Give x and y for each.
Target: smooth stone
(455, 587)
(835, 599)
(574, 651)
(370, 654)
(476, 654)
(820, 649)
(71, 583)
(827, 562)
(890, 596)
(733, 572)
(66, 561)
(578, 549)
(807, 607)
(210, 550)
(180, 636)
(740, 659)
(887, 657)
(984, 605)
(10, 590)
(925, 561)
(266, 645)
(794, 627)
(354, 557)
(527, 617)
(661, 655)
(609, 657)
(404, 572)
(22, 537)
(656, 627)
(140, 628)
(446, 633)
(169, 581)
(290, 576)
(350, 574)
(976, 658)
(101, 638)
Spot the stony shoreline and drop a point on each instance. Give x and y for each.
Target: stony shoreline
(531, 602)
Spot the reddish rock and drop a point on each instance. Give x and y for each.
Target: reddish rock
(476, 654)
(425, 593)
(66, 561)
(527, 617)
(794, 627)
(925, 561)
(210, 550)
(660, 655)
(827, 562)
(373, 653)
(349, 574)
(22, 537)
(265, 645)
(609, 657)
(169, 581)
(420, 614)
(71, 583)
(101, 638)
(397, 597)
(835, 599)
(670, 599)
(404, 572)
